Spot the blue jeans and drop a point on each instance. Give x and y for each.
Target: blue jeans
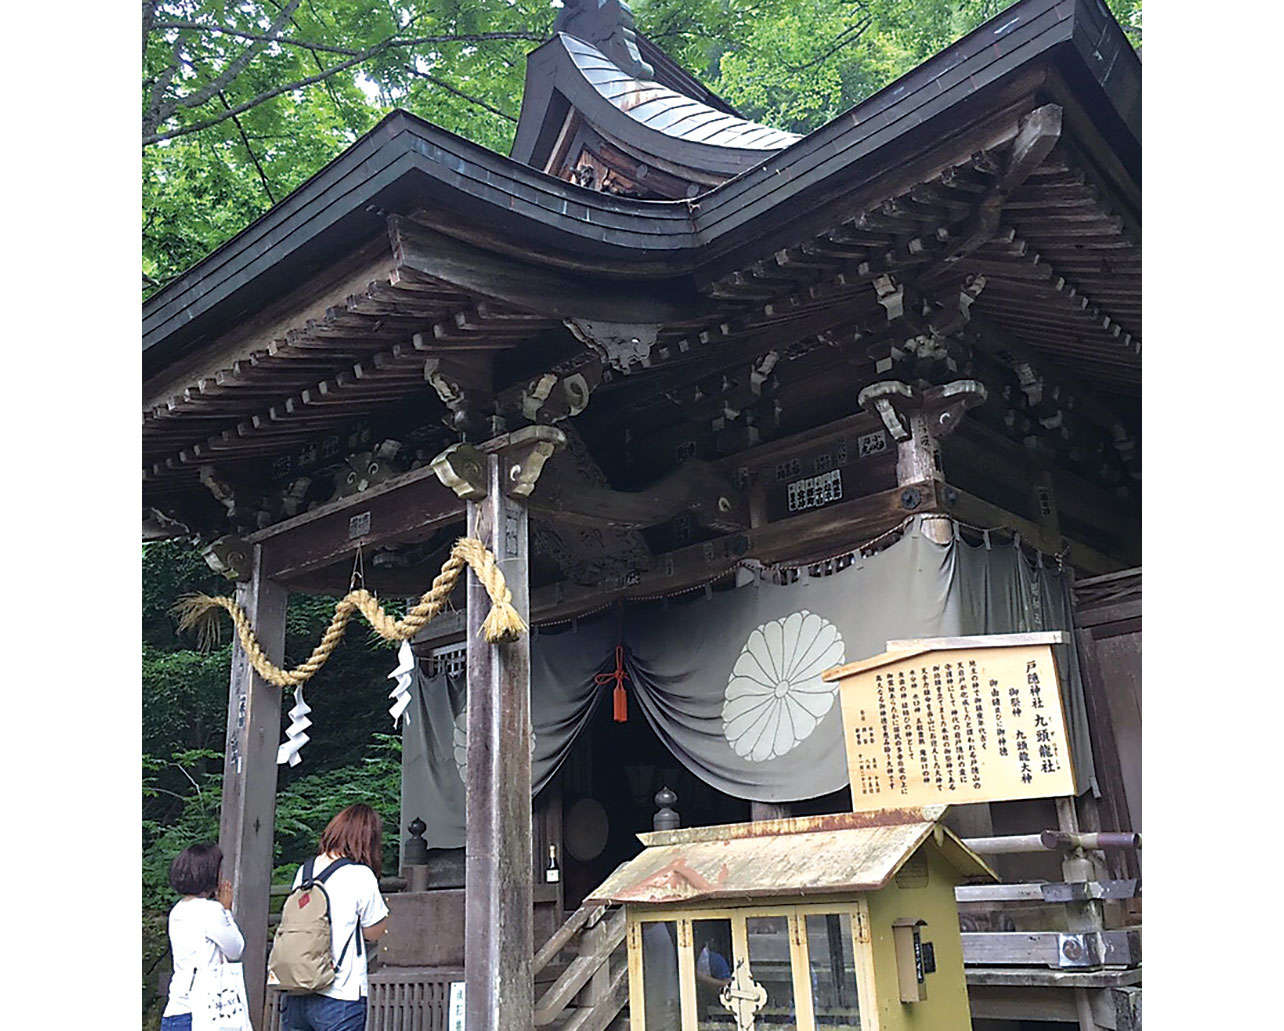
(180, 1022)
(321, 1013)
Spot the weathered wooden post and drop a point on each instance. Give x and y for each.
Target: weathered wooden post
(495, 478)
(916, 420)
(249, 776)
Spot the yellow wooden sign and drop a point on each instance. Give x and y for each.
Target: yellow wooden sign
(955, 720)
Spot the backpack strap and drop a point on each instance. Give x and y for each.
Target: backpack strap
(344, 951)
(324, 874)
(307, 872)
(321, 878)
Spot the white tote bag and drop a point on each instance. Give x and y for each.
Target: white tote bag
(218, 999)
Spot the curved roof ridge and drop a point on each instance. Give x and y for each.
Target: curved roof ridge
(652, 104)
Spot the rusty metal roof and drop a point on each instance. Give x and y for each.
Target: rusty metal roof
(816, 855)
(668, 111)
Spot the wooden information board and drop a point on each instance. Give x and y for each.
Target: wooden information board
(955, 720)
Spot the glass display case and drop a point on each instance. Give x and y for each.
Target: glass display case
(844, 922)
(775, 968)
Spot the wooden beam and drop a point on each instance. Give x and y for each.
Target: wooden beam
(1038, 1003)
(816, 534)
(538, 288)
(798, 444)
(968, 508)
(993, 455)
(248, 807)
(694, 486)
(810, 536)
(409, 506)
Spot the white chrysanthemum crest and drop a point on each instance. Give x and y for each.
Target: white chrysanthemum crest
(775, 697)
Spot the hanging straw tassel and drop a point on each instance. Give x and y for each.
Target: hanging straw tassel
(199, 612)
(502, 623)
(620, 704)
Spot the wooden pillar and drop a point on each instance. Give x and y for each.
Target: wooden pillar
(498, 936)
(249, 777)
(495, 479)
(918, 458)
(917, 420)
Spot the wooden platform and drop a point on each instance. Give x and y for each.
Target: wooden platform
(1036, 993)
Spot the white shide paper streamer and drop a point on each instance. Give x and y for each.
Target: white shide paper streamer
(295, 733)
(400, 694)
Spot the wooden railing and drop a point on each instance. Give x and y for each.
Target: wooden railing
(586, 996)
(401, 998)
(590, 993)
(1066, 950)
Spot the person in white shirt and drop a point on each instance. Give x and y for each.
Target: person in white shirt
(358, 916)
(202, 933)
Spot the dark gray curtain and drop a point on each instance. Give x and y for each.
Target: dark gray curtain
(434, 744)
(730, 681)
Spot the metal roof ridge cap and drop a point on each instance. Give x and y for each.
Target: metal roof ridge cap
(788, 825)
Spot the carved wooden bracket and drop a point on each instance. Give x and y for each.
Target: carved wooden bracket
(231, 556)
(464, 386)
(553, 396)
(522, 454)
(625, 346)
(918, 419)
(462, 468)
(941, 407)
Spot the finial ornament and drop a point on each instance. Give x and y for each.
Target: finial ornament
(609, 26)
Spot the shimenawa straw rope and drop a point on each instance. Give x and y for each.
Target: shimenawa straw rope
(502, 623)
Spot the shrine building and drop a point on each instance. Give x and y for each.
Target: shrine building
(731, 407)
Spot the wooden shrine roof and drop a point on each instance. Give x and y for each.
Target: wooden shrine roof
(650, 121)
(416, 244)
(797, 857)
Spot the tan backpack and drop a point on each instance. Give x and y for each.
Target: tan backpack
(301, 959)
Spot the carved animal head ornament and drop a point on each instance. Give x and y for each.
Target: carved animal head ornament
(365, 469)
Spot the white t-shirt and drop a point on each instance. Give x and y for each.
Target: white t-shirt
(354, 897)
(199, 929)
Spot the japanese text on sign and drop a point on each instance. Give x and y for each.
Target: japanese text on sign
(956, 726)
(815, 491)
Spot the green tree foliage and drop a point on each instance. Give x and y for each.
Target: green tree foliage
(244, 101)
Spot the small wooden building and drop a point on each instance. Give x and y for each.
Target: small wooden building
(842, 921)
(719, 358)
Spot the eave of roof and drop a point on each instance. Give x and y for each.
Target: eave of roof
(820, 855)
(406, 163)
